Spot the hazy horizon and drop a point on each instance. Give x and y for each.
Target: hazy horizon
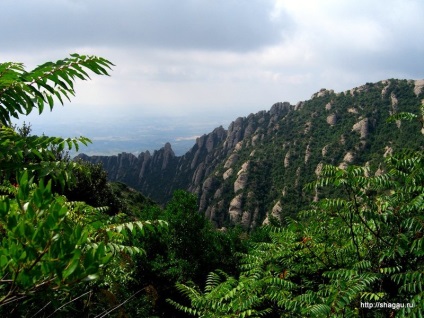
(130, 132)
(197, 60)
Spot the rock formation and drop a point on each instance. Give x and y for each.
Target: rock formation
(257, 167)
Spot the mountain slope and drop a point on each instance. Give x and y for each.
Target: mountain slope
(258, 166)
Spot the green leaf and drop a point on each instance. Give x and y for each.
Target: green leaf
(4, 261)
(130, 226)
(23, 256)
(73, 264)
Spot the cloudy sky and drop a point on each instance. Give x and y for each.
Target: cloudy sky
(223, 58)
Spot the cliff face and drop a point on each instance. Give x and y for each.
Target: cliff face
(157, 175)
(254, 172)
(142, 171)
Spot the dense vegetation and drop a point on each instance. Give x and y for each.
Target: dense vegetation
(363, 248)
(73, 244)
(53, 251)
(262, 161)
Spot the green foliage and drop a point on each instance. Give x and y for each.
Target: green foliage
(132, 202)
(91, 186)
(224, 298)
(35, 154)
(56, 252)
(363, 245)
(67, 245)
(187, 251)
(22, 91)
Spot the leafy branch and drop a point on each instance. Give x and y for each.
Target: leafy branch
(22, 91)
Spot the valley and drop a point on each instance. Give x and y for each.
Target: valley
(257, 168)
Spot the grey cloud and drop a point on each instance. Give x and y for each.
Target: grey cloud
(232, 25)
(395, 50)
(176, 55)
(401, 58)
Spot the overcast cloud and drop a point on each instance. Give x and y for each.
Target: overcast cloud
(233, 57)
(168, 24)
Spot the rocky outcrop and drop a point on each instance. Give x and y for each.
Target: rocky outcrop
(324, 150)
(308, 126)
(242, 177)
(235, 210)
(385, 88)
(228, 173)
(322, 92)
(254, 171)
(388, 151)
(287, 159)
(318, 169)
(308, 153)
(139, 171)
(347, 159)
(274, 214)
(362, 127)
(418, 86)
(332, 119)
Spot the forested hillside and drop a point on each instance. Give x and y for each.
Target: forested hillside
(350, 243)
(257, 168)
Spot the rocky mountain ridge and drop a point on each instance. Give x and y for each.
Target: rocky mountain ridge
(254, 171)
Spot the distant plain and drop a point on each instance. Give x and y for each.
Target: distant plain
(126, 132)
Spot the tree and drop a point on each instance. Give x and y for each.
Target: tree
(49, 244)
(187, 251)
(20, 93)
(92, 187)
(363, 246)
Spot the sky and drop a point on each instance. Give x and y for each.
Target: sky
(208, 61)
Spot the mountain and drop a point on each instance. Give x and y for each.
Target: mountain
(255, 171)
